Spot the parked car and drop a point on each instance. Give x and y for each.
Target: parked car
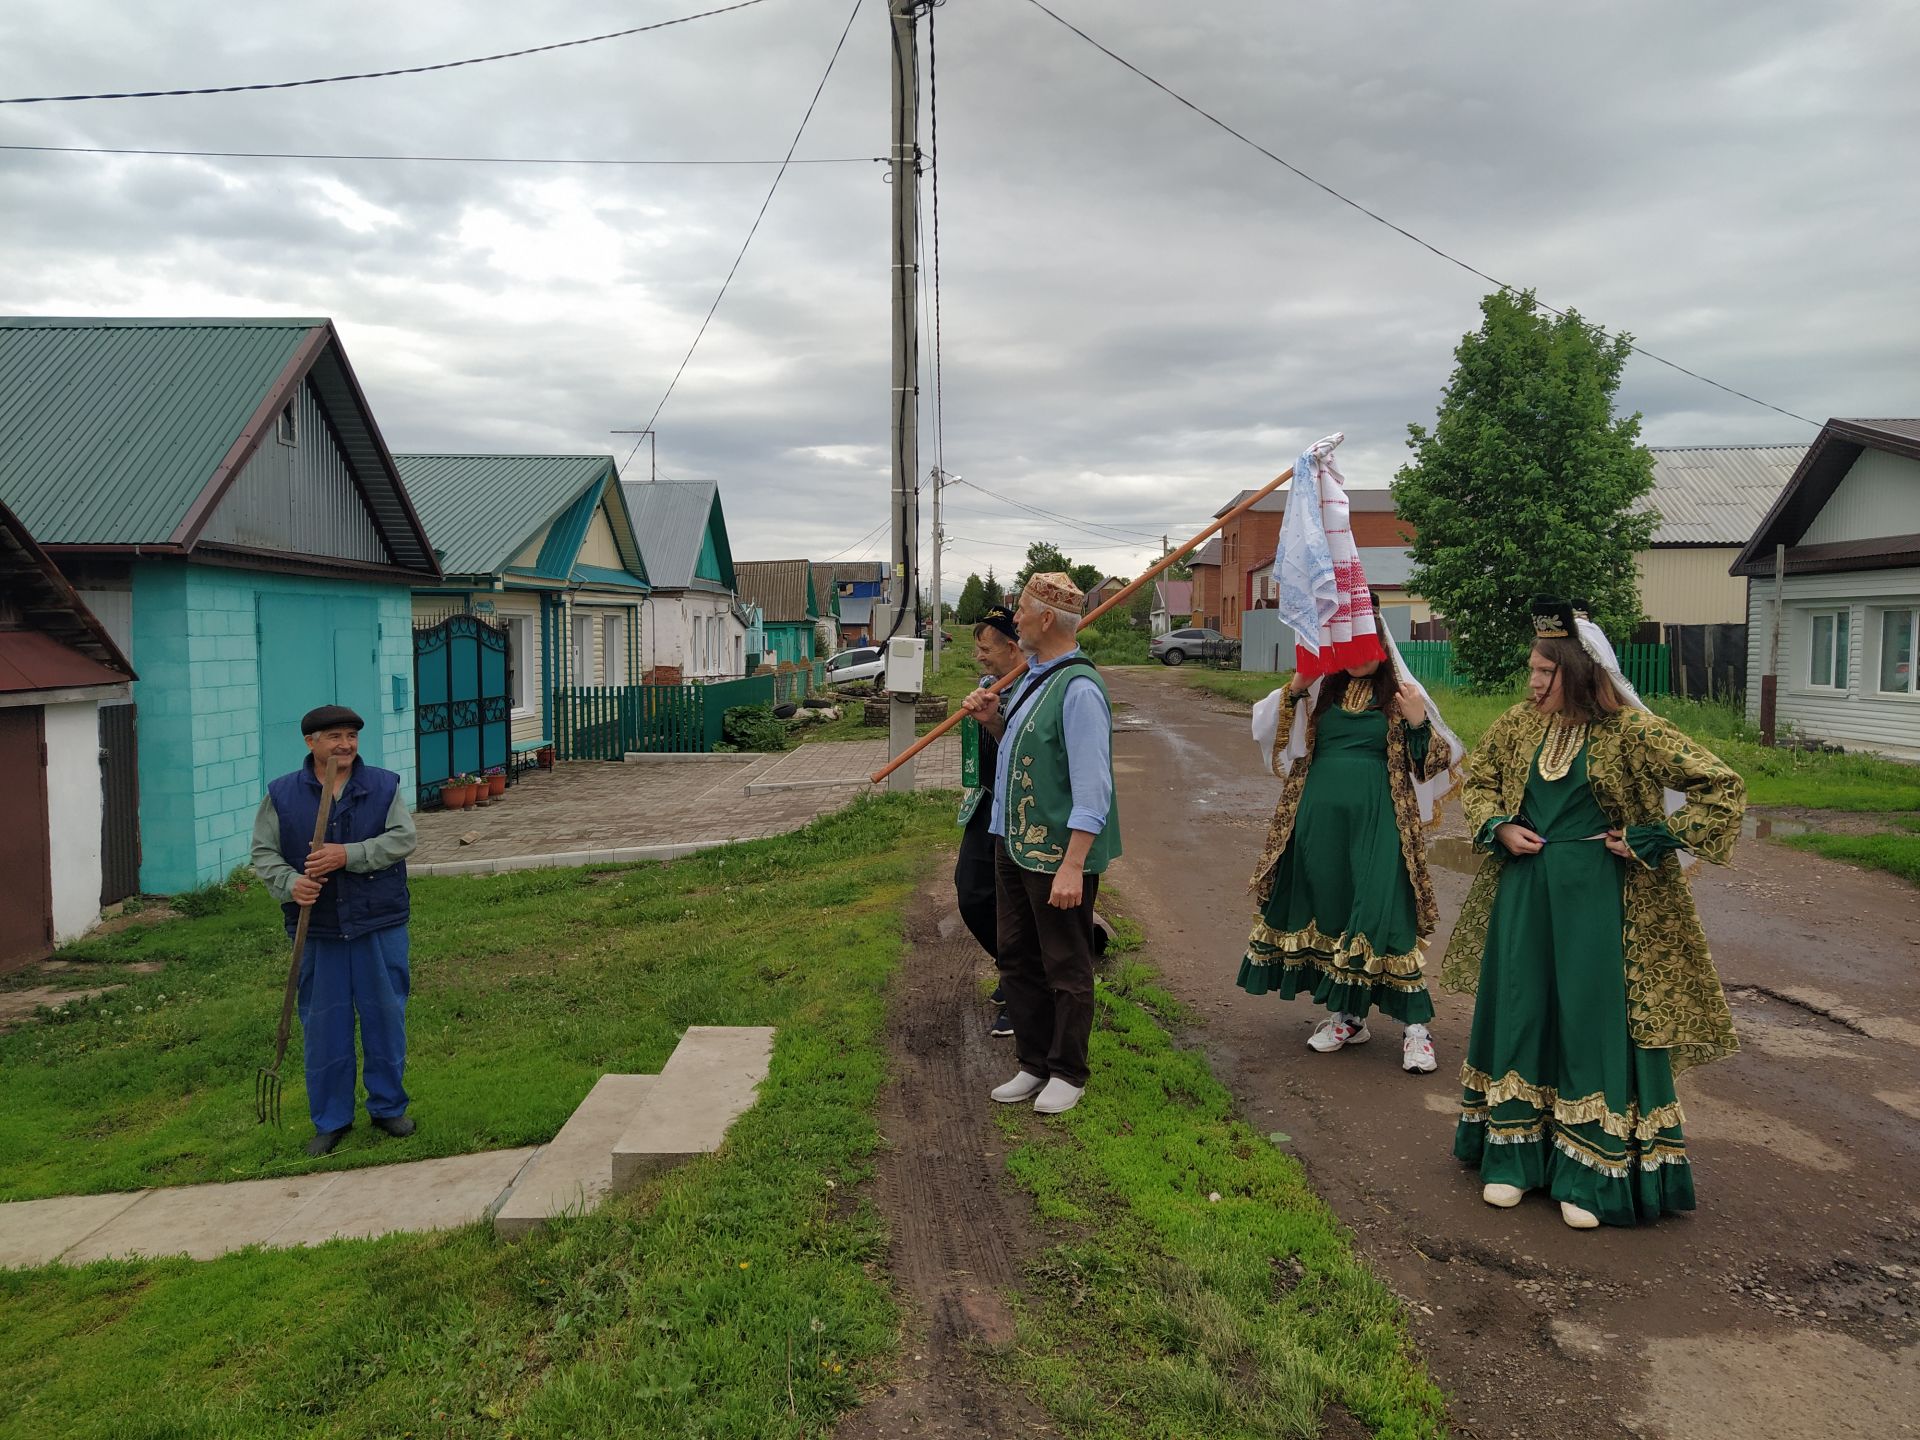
(866, 663)
(1179, 646)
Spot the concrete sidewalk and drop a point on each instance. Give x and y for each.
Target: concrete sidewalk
(654, 809)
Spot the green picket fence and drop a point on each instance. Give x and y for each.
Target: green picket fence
(1431, 661)
(1648, 668)
(610, 722)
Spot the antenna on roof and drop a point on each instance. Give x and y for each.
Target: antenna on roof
(653, 451)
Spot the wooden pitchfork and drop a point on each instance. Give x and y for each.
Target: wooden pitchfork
(266, 1080)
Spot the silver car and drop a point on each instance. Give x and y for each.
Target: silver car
(868, 662)
(1179, 646)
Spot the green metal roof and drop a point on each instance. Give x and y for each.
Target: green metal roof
(111, 429)
(482, 510)
(605, 575)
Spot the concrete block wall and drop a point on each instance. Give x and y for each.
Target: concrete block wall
(202, 773)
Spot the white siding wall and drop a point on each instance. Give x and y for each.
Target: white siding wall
(523, 610)
(1860, 718)
(73, 815)
(1879, 496)
(667, 635)
(1690, 586)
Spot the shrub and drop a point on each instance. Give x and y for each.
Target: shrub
(753, 727)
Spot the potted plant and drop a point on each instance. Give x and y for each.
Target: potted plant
(462, 791)
(449, 794)
(545, 757)
(496, 781)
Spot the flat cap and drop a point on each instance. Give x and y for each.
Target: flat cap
(330, 717)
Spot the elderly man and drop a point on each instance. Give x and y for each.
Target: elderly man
(356, 957)
(1057, 827)
(996, 650)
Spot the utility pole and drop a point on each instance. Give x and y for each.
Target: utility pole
(904, 397)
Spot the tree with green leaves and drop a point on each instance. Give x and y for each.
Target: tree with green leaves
(973, 601)
(1043, 558)
(1087, 577)
(1526, 485)
(993, 593)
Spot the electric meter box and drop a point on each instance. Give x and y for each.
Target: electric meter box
(906, 665)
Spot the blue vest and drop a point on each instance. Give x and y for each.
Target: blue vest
(349, 905)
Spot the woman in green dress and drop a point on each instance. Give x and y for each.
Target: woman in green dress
(1580, 940)
(1346, 902)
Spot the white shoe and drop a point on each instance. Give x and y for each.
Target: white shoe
(1578, 1219)
(1057, 1097)
(1505, 1196)
(1023, 1086)
(1336, 1032)
(1416, 1051)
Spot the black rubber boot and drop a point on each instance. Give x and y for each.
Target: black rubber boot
(324, 1140)
(398, 1126)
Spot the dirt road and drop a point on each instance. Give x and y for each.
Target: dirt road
(1788, 1305)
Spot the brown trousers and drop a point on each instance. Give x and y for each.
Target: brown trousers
(1046, 970)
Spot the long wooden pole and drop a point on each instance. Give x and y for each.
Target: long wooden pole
(1120, 597)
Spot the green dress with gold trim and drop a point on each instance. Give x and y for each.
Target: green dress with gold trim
(1341, 921)
(1556, 1095)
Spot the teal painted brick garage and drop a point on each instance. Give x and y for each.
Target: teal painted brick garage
(238, 657)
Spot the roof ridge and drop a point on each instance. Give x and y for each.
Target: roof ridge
(1745, 445)
(155, 322)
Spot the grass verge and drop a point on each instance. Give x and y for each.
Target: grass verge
(1852, 781)
(1896, 854)
(1168, 1312)
(739, 1296)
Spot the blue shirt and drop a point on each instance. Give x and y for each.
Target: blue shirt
(1089, 728)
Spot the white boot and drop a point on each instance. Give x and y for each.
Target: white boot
(1416, 1051)
(1578, 1219)
(1023, 1086)
(1505, 1196)
(1057, 1097)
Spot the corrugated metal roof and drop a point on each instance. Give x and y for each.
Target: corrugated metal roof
(482, 510)
(111, 429)
(778, 587)
(115, 431)
(1902, 429)
(1357, 499)
(1175, 596)
(856, 610)
(670, 518)
(1716, 494)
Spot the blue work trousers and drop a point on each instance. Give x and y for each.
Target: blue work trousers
(339, 980)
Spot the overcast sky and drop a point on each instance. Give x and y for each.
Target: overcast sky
(1140, 315)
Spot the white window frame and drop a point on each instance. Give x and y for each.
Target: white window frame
(613, 647)
(520, 664)
(286, 425)
(583, 669)
(698, 645)
(1840, 651)
(1880, 616)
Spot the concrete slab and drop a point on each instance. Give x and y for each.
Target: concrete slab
(38, 1232)
(571, 1173)
(202, 1221)
(708, 1082)
(423, 1195)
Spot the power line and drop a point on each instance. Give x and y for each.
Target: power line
(754, 229)
(865, 539)
(376, 74)
(1098, 528)
(433, 159)
(1378, 218)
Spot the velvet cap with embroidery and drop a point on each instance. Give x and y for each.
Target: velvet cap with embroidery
(1057, 590)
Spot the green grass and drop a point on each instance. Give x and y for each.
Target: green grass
(955, 677)
(740, 1296)
(1164, 1313)
(1851, 781)
(1895, 854)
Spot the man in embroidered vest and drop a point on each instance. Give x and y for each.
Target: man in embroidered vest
(1057, 826)
(996, 649)
(356, 956)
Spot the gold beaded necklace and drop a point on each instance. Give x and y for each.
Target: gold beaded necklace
(1560, 749)
(1359, 694)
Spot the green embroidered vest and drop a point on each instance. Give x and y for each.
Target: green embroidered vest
(1040, 791)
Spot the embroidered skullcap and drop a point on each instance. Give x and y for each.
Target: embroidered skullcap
(1553, 618)
(1059, 591)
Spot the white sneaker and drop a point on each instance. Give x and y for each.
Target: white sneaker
(1023, 1086)
(1336, 1032)
(1505, 1196)
(1416, 1051)
(1057, 1097)
(1578, 1219)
